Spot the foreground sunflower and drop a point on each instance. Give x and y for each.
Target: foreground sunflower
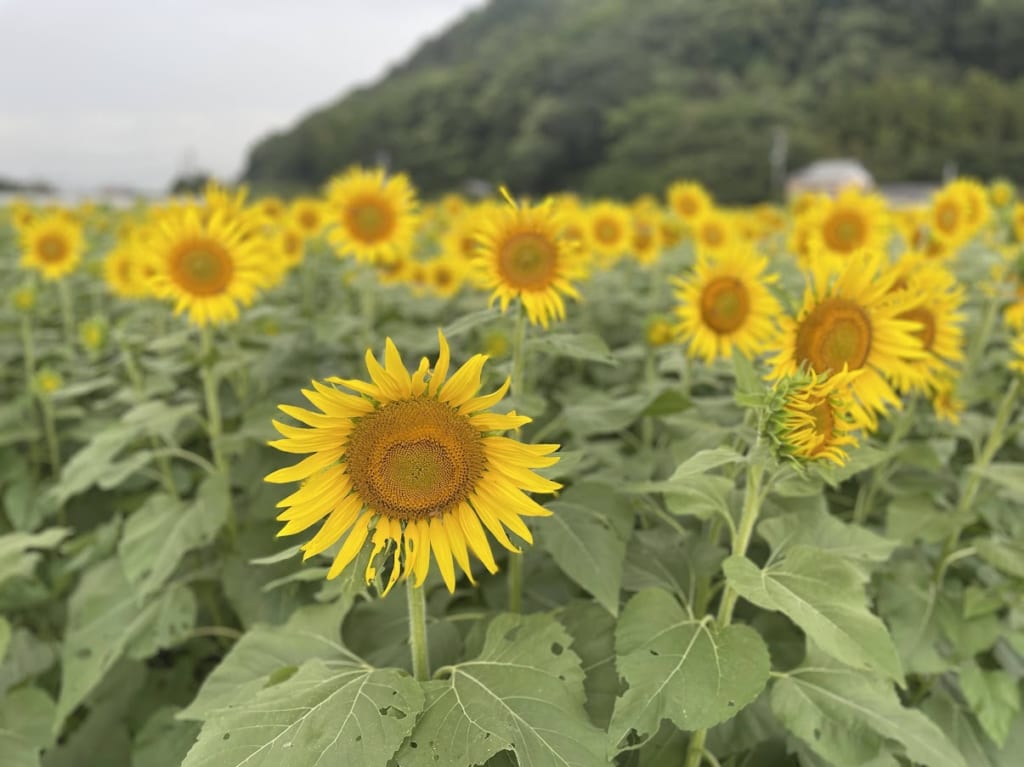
(726, 304)
(206, 263)
(812, 421)
(371, 216)
(522, 253)
(412, 463)
(52, 245)
(851, 320)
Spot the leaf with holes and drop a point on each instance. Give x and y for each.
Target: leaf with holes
(824, 595)
(524, 693)
(328, 712)
(682, 669)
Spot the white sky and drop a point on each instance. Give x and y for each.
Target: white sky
(125, 92)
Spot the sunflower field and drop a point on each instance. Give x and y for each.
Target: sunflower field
(361, 479)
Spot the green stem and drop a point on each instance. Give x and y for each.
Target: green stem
(902, 425)
(138, 384)
(67, 311)
(29, 359)
(213, 419)
(740, 542)
(980, 340)
(368, 307)
(53, 446)
(417, 603)
(651, 380)
(517, 387)
(995, 440)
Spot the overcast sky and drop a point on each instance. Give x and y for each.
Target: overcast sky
(101, 92)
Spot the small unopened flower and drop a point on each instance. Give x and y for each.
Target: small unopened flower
(812, 418)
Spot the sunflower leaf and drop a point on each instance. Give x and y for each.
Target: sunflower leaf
(681, 669)
(993, 696)
(312, 632)
(523, 693)
(587, 537)
(159, 534)
(581, 346)
(846, 716)
(325, 713)
(19, 552)
(823, 594)
(26, 716)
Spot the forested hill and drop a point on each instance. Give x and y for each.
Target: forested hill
(620, 96)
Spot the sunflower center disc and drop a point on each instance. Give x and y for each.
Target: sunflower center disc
(607, 231)
(528, 261)
(824, 421)
(724, 304)
(202, 268)
(927, 320)
(713, 235)
(52, 248)
(947, 216)
(844, 232)
(835, 333)
(414, 459)
(370, 220)
(687, 206)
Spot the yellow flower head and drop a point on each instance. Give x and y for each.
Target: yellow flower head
(852, 223)
(372, 216)
(659, 332)
(127, 269)
(307, 215)
(947, 406)
(92, 332)
(207, 264)
(726, 304)
(938, 299)
(609, 230)
(48, 382)
(291, 245)
(412, 463)
(850, 320)
(52, 244)
(689, 201)
(645, 241)
(23, 298)
(716, 232)
(1002, 192)
(523, 255)
(445, 276)
(812, 421)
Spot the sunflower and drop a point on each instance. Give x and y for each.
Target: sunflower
(1017, 221)
(947, 406)
(948, 216)
(446, 276)
(812, 421)
(124, 273)
(307, 215)
(207, 267)
(850, 320)
(939, 299)
(372, 216)
(52, 244)
(851, 223)
(412, 463)
(271, 209)
(1002, 192)
(976, 207)
(291, 245)
(689, 201)
(608, 230)
(459, 241)
(645, 240)
(716, 232)
(394, 269)
(726, 304)
(522, 254)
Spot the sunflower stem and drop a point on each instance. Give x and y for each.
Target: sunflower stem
(67, 311)
(417, 602)
(29, 358)
(995, 440)
(740, 542)
(213, 420)
(368, 307)
(52, 445)
(518, 389)
(138, 384)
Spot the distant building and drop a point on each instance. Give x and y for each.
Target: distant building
(829, 177)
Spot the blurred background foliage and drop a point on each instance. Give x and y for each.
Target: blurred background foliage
(622, 96)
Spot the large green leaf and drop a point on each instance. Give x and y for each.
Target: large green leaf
(681, 668)
(160, 533)
(581, 346)
(823, 531)
(994, 697)
(268, 652)
(105, 620)
(26, 718)
(586, 536)
(847, 716)
(163, 741)
(824, 595)
(593, 640)
(328, 712)
(19, 552)
(524, 693)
